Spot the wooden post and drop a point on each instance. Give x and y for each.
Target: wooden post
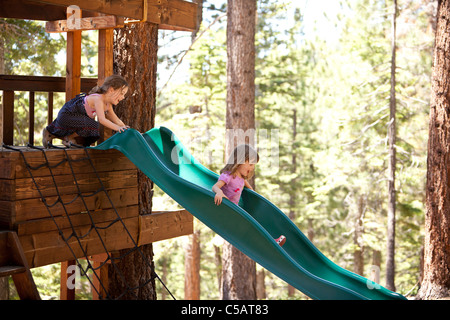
(105, 67)
(31, 119)
(105, 54)
(50, 108)
(66, 293)
(8, 117)
(100, 278)
(73, 87)
(14, 263)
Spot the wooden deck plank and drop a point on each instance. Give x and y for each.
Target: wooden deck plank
(48, 247)
(25, 188)
(14, 212)
(12, 165)
(164, 225)
(80, 219)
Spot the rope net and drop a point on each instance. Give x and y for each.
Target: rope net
(130, 290)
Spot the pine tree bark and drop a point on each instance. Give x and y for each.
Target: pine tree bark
(192, 268)
(392, 132)
(239, 271)
(135, 58)
(260, 285)
(358, 254)
(436, 282)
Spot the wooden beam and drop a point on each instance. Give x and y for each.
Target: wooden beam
(41, 83)
(30, 10)
(21, 9)
(164, 225)
(47, 247)
(172, 14)
(91, 23)
(80, 219)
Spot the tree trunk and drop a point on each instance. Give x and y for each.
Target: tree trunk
(436, 282)
(192, 268)
(239, 271)
(358, 254)
(293, 194)
(390, 256)
(238, 275)
(376, 265)
(135, 58)
(218, 262)
(260, 285)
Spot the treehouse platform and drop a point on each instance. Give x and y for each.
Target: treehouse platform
(29, 206)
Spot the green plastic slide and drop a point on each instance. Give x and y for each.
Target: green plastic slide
(250, 226)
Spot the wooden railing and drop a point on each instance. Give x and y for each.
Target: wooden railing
(31, 84)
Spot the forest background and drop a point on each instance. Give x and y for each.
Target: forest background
(322, 97)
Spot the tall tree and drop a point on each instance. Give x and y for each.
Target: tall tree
(239, 271)
(436, 282)
(135, 58)
(192, 267)
(193, 252)
(390, 256)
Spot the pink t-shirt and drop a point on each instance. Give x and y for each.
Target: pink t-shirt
(233, 186)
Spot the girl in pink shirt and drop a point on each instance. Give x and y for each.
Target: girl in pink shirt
(233, 177)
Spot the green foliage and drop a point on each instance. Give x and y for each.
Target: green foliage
(28, 49)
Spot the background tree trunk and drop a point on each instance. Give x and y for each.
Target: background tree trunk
(392, 132)
(358, 254)
(436, 282)
(135, 58)
(292, 195)
(260, 285)
(239, 271)
(192, 268)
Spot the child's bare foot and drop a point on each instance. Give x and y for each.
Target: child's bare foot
(47, 138)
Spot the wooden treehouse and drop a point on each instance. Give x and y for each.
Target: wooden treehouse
(35, 226)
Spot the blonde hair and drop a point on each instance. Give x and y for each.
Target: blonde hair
(115, 81)
(240, 155)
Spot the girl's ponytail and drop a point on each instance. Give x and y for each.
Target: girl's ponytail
(115, 81)
(96, 89)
